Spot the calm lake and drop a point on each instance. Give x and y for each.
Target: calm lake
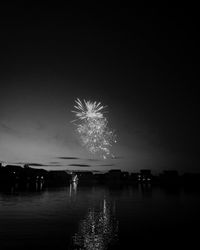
(99, 217)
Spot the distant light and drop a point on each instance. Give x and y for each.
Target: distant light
(75, 178)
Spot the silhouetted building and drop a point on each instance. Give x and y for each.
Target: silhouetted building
(15, 172)
(32, 175)
(5, 177)
(125, 176)
(169, 177)
(191, 180)
(14, 168)
(145, 175)
(58, 178)
(85, 176)
(99, 178)
(114, 175)
(134, 178)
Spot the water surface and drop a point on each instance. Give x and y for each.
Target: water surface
(99, 217)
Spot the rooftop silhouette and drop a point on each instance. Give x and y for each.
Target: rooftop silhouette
(31, 178)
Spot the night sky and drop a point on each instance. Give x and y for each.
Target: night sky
(141, 62)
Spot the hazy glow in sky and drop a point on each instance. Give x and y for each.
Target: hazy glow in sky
(36, 128)
(123, 58)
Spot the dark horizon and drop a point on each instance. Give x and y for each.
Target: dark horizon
(85, 169)
(141, 62)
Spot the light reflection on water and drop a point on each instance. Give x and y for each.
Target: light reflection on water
(96, 217)
(98, 228)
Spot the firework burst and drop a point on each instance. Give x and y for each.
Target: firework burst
(88, 110)
(93, 127)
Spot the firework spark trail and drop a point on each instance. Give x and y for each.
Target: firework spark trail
(93, 127)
